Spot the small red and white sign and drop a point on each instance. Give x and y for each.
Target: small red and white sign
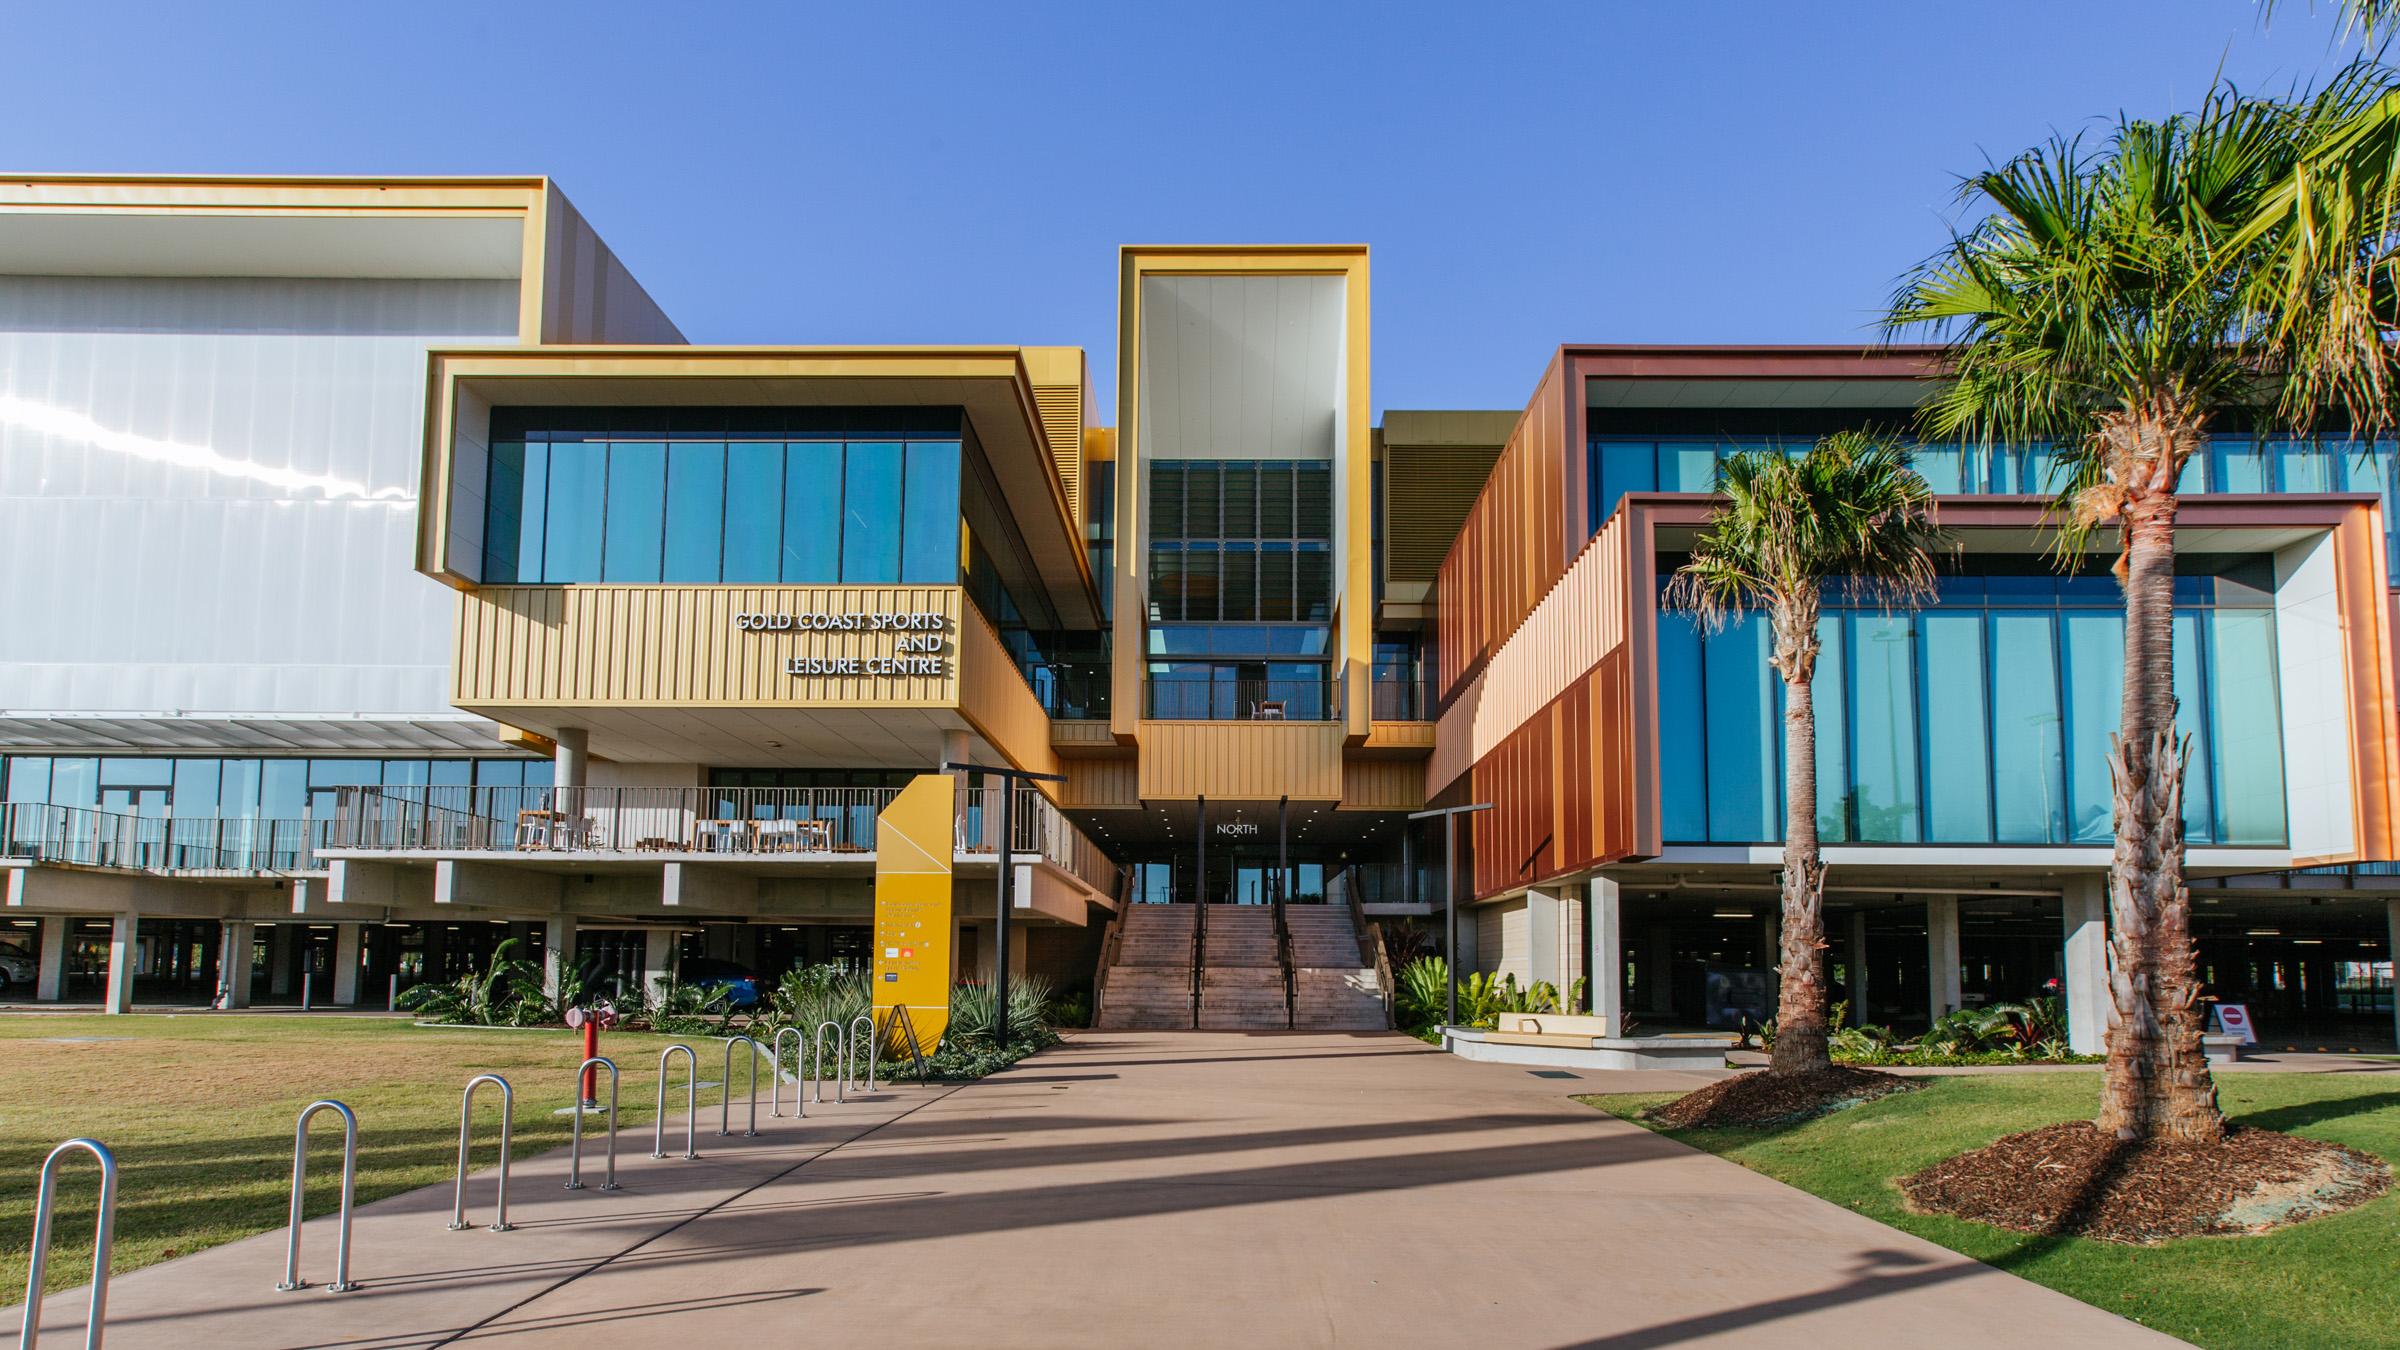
(2234, 1020)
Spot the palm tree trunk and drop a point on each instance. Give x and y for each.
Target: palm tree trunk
(2157, 1077)
(1800, 1025)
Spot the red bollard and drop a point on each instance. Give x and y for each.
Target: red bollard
(590, 1022)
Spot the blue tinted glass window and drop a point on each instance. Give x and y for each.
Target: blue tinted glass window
(1958, 798)
(504, 516)
(1686, 466)
(753, 510)
(196, 786)
(2306, 466)
(238, 786)
(578, 495)
(1833, 734)
(75, 781)
(1742, 739)
(930, 541)
(28, 778)
(535, 511)
(1944, 467)
(451, 773)
(2245, 728)
(283, 788)
(1682, 748)
(812, 513)
(2191, 720)
(2095, 667)
(695, 512)
(2235, 464)
(871, 513)
(1883, 729)
(1619, 467)
(637, 477)
(2028, 749)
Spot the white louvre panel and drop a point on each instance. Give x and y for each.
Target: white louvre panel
(1242, 367)
(208, 491)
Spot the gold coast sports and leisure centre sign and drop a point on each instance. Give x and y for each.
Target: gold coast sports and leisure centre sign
(920, 641)
(712, 646)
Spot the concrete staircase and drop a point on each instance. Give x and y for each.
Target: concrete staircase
(1334, 985)
(1241, 972)
(1150, 984)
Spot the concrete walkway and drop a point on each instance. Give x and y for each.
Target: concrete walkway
(1136, 1189)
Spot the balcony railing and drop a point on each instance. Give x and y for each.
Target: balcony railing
(1070, 691)
(1399, 694)
(89, 837)
(1205, 698)
(798, 822)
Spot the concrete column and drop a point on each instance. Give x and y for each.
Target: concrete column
(279, 959)
(572, 763)
(1542, 958)
(1941, 954)
(233, 963)
(1858, 968)
(658, 959)
(954, 748)
(50, 972)
(346, 942)
(1607, 960)
(122, 954)
(558, 952)
(2084, 912)
(1658, 971)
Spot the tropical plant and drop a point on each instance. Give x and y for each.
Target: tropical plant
(488, 997)
(1422, 996)
(975, 1011)
(808, 996)
(1849, 513)
(2113, 303)
(679, 1009)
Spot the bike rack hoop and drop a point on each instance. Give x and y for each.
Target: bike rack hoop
(466, 1117)
(575, 1148)
(342, 1283)
(691, 1104)
(104, 1232)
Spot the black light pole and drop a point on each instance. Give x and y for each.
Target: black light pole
(1450, 815)
(1009, 778)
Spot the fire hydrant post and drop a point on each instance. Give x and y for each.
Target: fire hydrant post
(590, 1023)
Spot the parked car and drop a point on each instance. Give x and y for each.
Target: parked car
(742, 987)
(16, 968)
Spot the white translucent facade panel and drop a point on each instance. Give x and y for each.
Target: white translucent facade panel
(1242, 367)
(208, 491)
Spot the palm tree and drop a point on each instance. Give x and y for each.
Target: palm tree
(1851, 513)
(2101, 305)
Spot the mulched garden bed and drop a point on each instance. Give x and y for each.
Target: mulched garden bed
(1768, 1099)
(2075, 1179)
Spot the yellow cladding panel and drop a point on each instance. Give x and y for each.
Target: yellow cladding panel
(1383, 785)
(1058, 378)
(697, 646)
(914, 837)
(996, 701)
(1250, 760)
(1101, 783)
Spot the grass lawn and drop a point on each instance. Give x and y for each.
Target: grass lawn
(2331, 1282)
(199, 1111)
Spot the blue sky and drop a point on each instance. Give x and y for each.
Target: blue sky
(1527, 174)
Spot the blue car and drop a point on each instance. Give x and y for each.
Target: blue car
(741, 987)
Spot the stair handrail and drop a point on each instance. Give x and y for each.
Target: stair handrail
(1111, 940)
(1370, 941)
(1283, 955)
(1199, 943)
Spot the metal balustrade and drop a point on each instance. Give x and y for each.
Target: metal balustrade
(90, 837)
(104, 1233)
(796, 823)
(342, 1282)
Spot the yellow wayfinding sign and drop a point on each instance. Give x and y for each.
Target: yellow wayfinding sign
(913, 926)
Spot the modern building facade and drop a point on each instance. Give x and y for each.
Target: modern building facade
(454, 598)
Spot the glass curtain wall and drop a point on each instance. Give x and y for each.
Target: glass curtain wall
(806, 496)
(1241, 589)
(2231, 464)
(1983, 718)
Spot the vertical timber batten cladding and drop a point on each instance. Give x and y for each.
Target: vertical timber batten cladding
(1555, 726)
(1516, 539)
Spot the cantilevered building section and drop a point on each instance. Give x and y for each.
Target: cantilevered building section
(1635, 761)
